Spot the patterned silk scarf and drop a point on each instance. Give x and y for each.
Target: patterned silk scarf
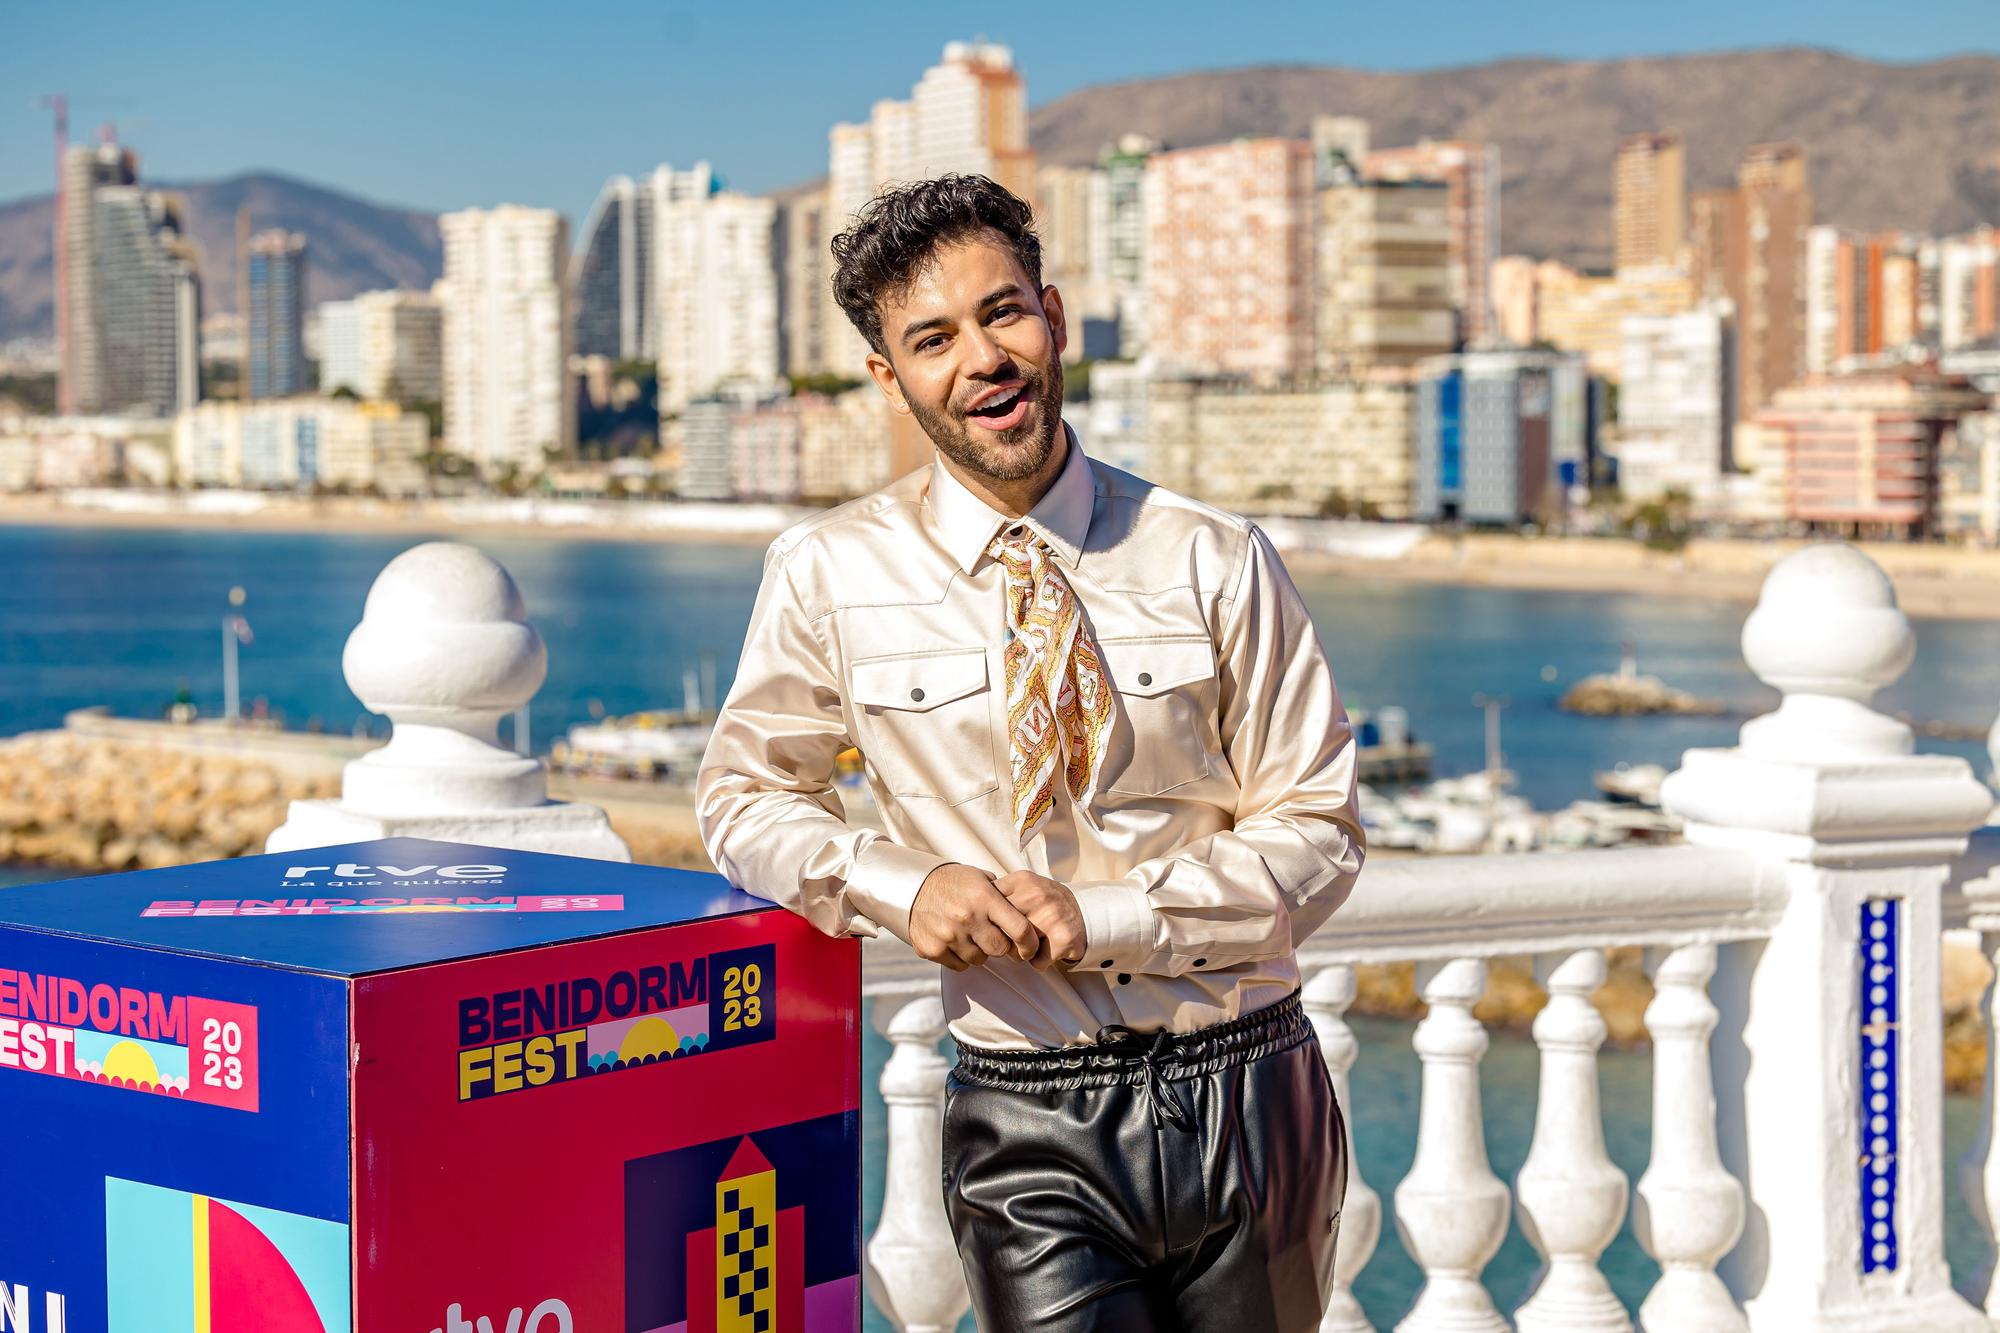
(1058, 701)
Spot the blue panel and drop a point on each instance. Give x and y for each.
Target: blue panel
(104, 1178)
(1451, 434)
(374, 906)
(1880, 1057)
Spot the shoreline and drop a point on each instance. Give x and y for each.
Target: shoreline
(1936, 582)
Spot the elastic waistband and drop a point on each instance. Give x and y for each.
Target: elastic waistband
(1121, 1056)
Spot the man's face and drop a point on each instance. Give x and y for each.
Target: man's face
(975, 353)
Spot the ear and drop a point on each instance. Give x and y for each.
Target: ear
(1052, 310)
(884, 376)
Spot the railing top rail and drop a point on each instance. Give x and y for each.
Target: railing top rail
(1972, 897)
(1428, 908)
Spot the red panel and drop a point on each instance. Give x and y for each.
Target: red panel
(701, 1294)
(791, 1270)
(490, 1172)
(251, 1288)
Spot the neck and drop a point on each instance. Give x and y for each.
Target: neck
(1015, 498)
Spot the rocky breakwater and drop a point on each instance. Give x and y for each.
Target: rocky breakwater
(1624, 695)
(101, 803)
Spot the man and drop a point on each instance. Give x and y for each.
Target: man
(1118, 785)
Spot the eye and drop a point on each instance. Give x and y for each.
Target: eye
(932, 343)
(1005, 310)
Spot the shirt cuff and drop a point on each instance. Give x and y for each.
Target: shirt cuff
(885, 881)
(1117, 926)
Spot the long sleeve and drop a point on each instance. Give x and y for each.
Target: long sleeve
(1259, 889)
(764, 798)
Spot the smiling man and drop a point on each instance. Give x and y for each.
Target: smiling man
(1117, 784)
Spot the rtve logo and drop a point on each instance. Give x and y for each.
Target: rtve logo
(17, 1313)
(350, 870)
(551, 1316)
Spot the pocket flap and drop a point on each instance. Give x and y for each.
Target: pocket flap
(1154, 666)
(917, 683)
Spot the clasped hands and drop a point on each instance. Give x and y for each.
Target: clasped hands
(964, 916)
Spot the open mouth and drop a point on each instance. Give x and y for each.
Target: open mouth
(1002, 411)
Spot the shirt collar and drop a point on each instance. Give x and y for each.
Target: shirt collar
(966, 523)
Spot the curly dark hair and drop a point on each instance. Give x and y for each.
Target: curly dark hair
(897, 232)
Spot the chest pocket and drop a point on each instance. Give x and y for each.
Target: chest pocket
(1167, 696)
(922, 721)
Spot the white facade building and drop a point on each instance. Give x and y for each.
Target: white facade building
(506, 339)
(1675, 409)
(718, 296)
(387, 345)
(300, 443)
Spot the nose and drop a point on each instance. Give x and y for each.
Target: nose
(984, 356)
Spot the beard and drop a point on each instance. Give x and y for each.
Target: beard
(1008, 455)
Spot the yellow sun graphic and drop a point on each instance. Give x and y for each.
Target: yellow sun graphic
(649, 1036)
(128, 1060)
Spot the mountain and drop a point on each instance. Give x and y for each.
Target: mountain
(353, 245)
(1915, 146)
(1889, 145)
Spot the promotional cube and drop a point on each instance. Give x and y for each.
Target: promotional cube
(421, 1087)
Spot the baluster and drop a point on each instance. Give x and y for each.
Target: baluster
(1690, 1210)
(914, 1276)
(1451, 1210)
(1979, 1169)
(1570, 1196)
(1327, 997)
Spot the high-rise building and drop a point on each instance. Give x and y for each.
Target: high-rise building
(1229, 258)
(1675, 414)
(1384, 273)
(384, 345)
(843, 445)
(764, 451)
(611, 275)
(968, 113)
(1586, 313)
(803, 301)
(147, 302)
(1859, 451)
(1515, 287)
(1764, 269)
(507, 400)
(1340, 147)
(1471, 172)
(132, 300)
(708, 467)
(276, 275)
(1969, 289)
(1118, 235)
(1866, 295)
(1501, 436)
(1708, 243)
(1649, 190)
(1068, 205)
(718, 295)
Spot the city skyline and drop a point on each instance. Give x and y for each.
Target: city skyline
(446, 95)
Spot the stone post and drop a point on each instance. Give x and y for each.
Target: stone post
(444, 648)
(1836, 1114)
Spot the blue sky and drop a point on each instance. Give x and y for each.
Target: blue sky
(445, 104)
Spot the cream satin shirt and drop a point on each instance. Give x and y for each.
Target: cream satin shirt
(1224, 830)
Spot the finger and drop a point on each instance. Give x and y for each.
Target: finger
(968, 953)
(1044, 958)
(992, 939)
(1026, 936)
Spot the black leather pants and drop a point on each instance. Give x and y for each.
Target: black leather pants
(1149, 1182)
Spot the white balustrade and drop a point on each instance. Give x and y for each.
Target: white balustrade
(445, 650)
(1451, 1210)
(1690, 1210)
(1819, 852)
(914, 1276)
(1571, 1197)
(1837, 1014)
(1327, 996)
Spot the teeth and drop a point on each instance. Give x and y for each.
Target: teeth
(1003, 400)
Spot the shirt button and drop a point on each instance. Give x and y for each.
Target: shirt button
(916, 696)
(1201, 962)
(1124, 978)
(1105, 963)
(1145, 678)
(1014, 531)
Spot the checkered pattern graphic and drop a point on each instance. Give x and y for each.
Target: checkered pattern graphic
(746, 1210)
